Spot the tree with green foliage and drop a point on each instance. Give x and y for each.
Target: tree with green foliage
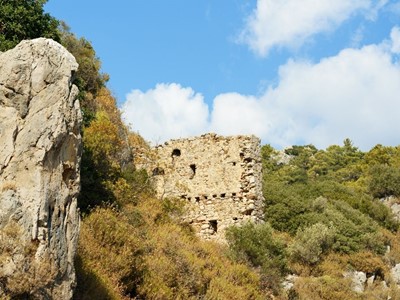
(259, 246)
(384, 181)
(89, 79)
(25, 19)
(311, 243)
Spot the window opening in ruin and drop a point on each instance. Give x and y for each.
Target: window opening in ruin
(235, 218)
(197, 199)
(214, 225)
(176, 152)
(241, 155)
(205, 197)
(193, 168)
(248, 212)
(214, 196)
(233, 194)
(223, 195)
(158, 171)
(248, 159)
(234, 163)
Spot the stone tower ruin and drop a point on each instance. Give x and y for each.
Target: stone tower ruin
(218, 177)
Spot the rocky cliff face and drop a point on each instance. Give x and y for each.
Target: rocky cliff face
(40, 146)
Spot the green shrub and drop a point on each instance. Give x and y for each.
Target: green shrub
(258, 245)
(384, 181)
(292, 207)
(311, 243)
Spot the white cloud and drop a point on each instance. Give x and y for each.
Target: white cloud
(395, 37)
(165, 112)
(357, 37)
(290, 23)
(237, 114)
(374, 9)
(353, 94)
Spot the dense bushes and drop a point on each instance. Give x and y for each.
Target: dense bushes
(384, 181)
(326, 200)
(259, 246)
(89, 80)
(289, 196)
(310, 243)
(109, 249)
(140, 251)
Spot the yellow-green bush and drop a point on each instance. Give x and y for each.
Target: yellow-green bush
(311, 243)
(110, 247)
(141, 251)
(368, 263)
(262, 248)
(325, 288)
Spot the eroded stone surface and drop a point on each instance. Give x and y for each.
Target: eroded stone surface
(40, 146)
(358, 280)
(395, 272)
(394, 204)
(218, 177)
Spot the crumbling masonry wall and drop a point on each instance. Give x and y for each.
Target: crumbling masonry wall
(218, 177)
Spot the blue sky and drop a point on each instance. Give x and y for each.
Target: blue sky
(289, 71)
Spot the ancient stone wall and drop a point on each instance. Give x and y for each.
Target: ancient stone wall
(218, 177)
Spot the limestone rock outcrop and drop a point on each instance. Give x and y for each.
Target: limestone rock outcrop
(40, 147)
(358, 280)
(394, 204)
(395, 272)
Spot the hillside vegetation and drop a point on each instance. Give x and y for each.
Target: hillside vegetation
(325, 217)
(324, 211)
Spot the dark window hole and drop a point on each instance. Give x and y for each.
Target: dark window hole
(193, 168)
(214, 225)
(176, 152)
(248, 212)
(158, 171)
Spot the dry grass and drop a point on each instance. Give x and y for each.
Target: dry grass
(29, 277)
(141, 252)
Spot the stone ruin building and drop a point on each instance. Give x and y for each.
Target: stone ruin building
(218, 177)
